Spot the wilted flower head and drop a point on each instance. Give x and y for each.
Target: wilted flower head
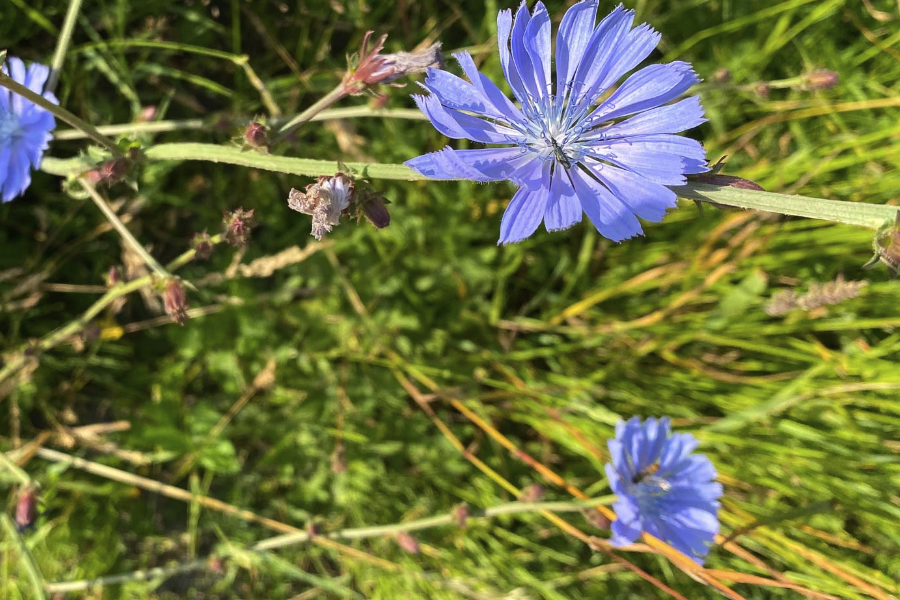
(374, 68)
(324, 200)
(24, 128)
(256, 137)
(570, 145)
(662, 488)
(237, 226)
(175, 301)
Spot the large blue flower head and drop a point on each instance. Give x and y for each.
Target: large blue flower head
(24, 128)
(662, 488)
(570, 145)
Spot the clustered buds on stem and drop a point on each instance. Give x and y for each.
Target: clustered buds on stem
(330, 197)
(237, 226)
(374, 68)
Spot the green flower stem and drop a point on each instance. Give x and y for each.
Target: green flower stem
(290, 539)
(113, 218)
(28, 565)
(62, 44)
(861, 214)
(350, 112)
(58, 111)
(57, 337)
(872, 216)
(307, 115)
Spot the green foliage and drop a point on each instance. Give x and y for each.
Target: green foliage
(550, 341)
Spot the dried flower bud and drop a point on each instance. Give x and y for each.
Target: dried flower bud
(721, 75)
(148, 113)
(407, 542)
(202, 245)
(113, 277)
(762, 89)
(175, 301)
(887, 247)
(324, 201)
(113, 170)
(215, 565)
(374, 68)
(256, 137)
(338, 464)
(533, 493)
(26, 509)
(237, 227)
(374, 207)
(727, 181)
(595, 518)
(461, 515)
(822, 79)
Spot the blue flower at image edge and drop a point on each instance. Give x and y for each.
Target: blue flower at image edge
(662, 488)
(24, 128)
(569, 145)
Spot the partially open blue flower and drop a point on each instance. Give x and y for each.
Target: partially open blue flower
(24, 128)
(662, 488)
(571, 146)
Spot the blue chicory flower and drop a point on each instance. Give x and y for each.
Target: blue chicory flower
(24, 128)
(662, 488)
(570, 146)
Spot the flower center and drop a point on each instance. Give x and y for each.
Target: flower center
(9, 126)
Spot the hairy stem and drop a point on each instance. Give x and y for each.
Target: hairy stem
(307, 115)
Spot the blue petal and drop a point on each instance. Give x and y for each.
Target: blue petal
(504, 28)
(528, 205)
(17, 176)
(489, 89)
(454, 92)
(609, 215)
(634, 47)
(521, 59)
(455, 124)
(598, 56)
(36, 77)
(571, 41)
(488, 164)
(646, 199)
(624, 532)
(564, 209)
(15, 68)
(34, 144)
(537, 44)
(4, 170)
(648, 88)
(662, 158)
(671, 118)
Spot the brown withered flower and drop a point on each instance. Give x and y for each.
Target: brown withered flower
(324, 201)
(175, 301)
(374, 68)
(237, 226)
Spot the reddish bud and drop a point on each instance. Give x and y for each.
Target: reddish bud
(113, 277)
(407, 542)
(113, 170)
(374, 208)
(237, 227)
(595, 518)
(375, 68)
(26, 509)
(762, 89)
(202, 245)
(533, 493)
(721, 75)
(148, 113)
(461, 515)
(175, 301)
(822, 79)
(256, 137)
